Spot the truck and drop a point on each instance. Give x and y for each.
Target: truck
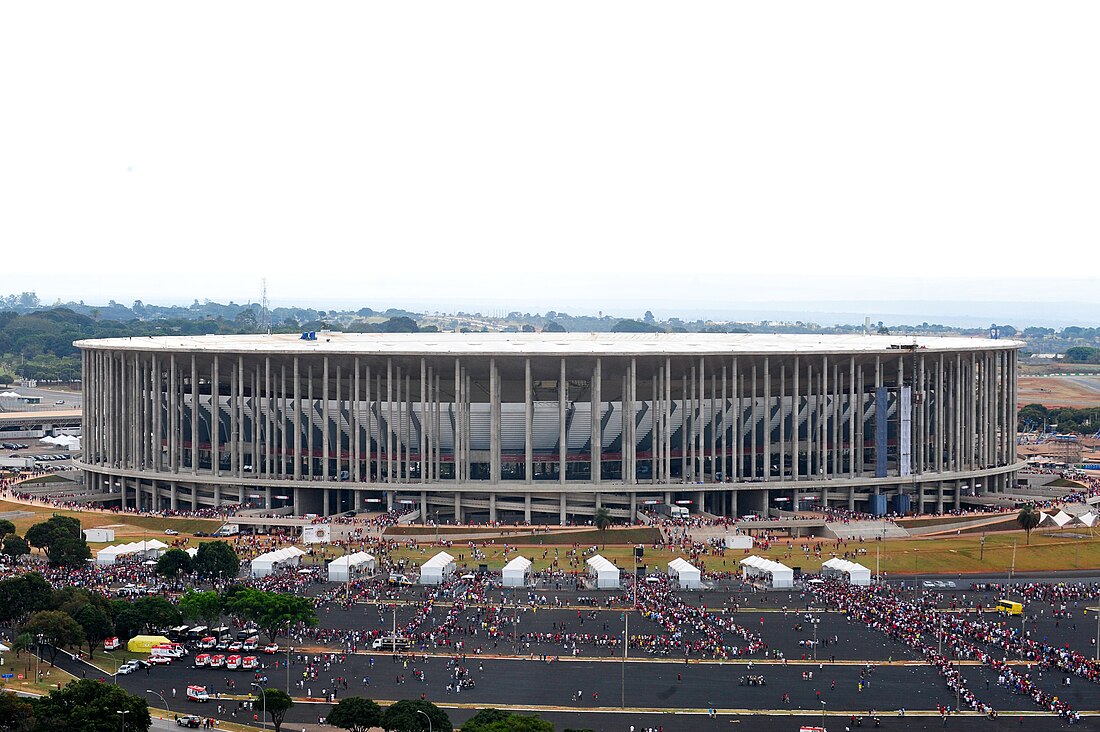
(672, 511)
(393, 643)
(228, 530)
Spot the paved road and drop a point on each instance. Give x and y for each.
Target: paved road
(72, 399)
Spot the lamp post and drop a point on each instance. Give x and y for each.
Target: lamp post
(114, 676)
(123, 712)
(263, 713)
(981, 555)
(38, 658)
(421, 711)
(168, 708)
(288, 649)
(823, 714)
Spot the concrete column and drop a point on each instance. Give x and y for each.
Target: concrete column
(666, 428)
(733, 503)
(597, 427)
(701, 500)
(563, 445)
(528, 424)
(390, 441)
(457, 416)
(423, 507)
(269, 421)
(297, 431)
(738, 435)
(326, 421)
(240, 416)
(458, 507)
(654, 427)
(633, 507)
(561, 509)
(958, 496)
(527, 507)
(725, 428)
(766, 416)
(494, 423)
(355, 415)
(691, 405)
(492, 507)
(422, 461)
(755, 419)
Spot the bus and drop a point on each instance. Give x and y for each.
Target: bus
(179, 633)
(1009, 607)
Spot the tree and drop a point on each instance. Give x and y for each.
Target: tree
(216, 560)
(57, 629)
(91, 706)
(173, 563)
(15, 546)
(602, 520)
(271, 610)
(634, 326)
(553, 327)
(16, 715)
(156, 612)
(277, 703)
(496, 720)
(1082, 354)
(128, 621)
(60, 538)
(23, 596)
(648, 317)
(404, 716)
(204, 606)
(95, 624)
(400, 324)
(1028, 519)
(6, 527)
(356, 714)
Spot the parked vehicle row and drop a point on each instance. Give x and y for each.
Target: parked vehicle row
(231, 662)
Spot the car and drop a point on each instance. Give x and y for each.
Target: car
(399, 579)
(251, 644)
(236, 646)
(200, 533)
(60, 401)
(171, 532)
(271, 648)
(160, 660)
(193, 721)
(127, 668)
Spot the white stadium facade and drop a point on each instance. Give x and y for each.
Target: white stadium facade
(499, 427)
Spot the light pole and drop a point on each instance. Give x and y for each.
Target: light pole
(288, 658)
(123, 712)
(38, 658)
(263, 714)
(823, 714)
(981, 555)
(421, 711)
(168, 708)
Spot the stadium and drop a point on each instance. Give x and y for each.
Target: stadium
(499, 426)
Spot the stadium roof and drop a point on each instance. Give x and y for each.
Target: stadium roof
(545, 344)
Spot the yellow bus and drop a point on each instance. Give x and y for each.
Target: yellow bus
(1008, 607)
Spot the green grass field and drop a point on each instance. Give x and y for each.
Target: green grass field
(127, 525)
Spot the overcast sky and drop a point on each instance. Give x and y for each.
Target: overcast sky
(607, 153)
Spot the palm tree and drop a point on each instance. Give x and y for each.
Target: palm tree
(602, 520)
(1028, 519)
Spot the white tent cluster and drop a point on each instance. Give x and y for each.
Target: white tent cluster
(1063, 519)
(855, 572)
(686, 575)
(517, 573)
(346, 567)
(68, 442)
(272, 562)
(10, 395)
(605, 573)
(151, 549)
(780, 576)
(437, 569)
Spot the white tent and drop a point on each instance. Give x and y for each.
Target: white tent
(1088, 519)
(344, 568)
(606, 573)
(1061, 518)
(151, 549)
(738, 541)
(192, 551)
(685, 574)
(437, 569)
(271, 562)
(856, 573)
(780, 576)
(517, 572)
(98, 535)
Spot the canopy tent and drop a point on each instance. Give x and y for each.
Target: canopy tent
(192, 551)
(346, 567)
(151, 549)
(606, 573)
(1088, 519)
(437, 569)
(856, 573)
(688, 576)
(738, 541)
(143, 643)
(517, 572)
(271, 562)
(780, 576)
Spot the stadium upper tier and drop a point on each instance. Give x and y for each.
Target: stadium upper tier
(364, 416)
